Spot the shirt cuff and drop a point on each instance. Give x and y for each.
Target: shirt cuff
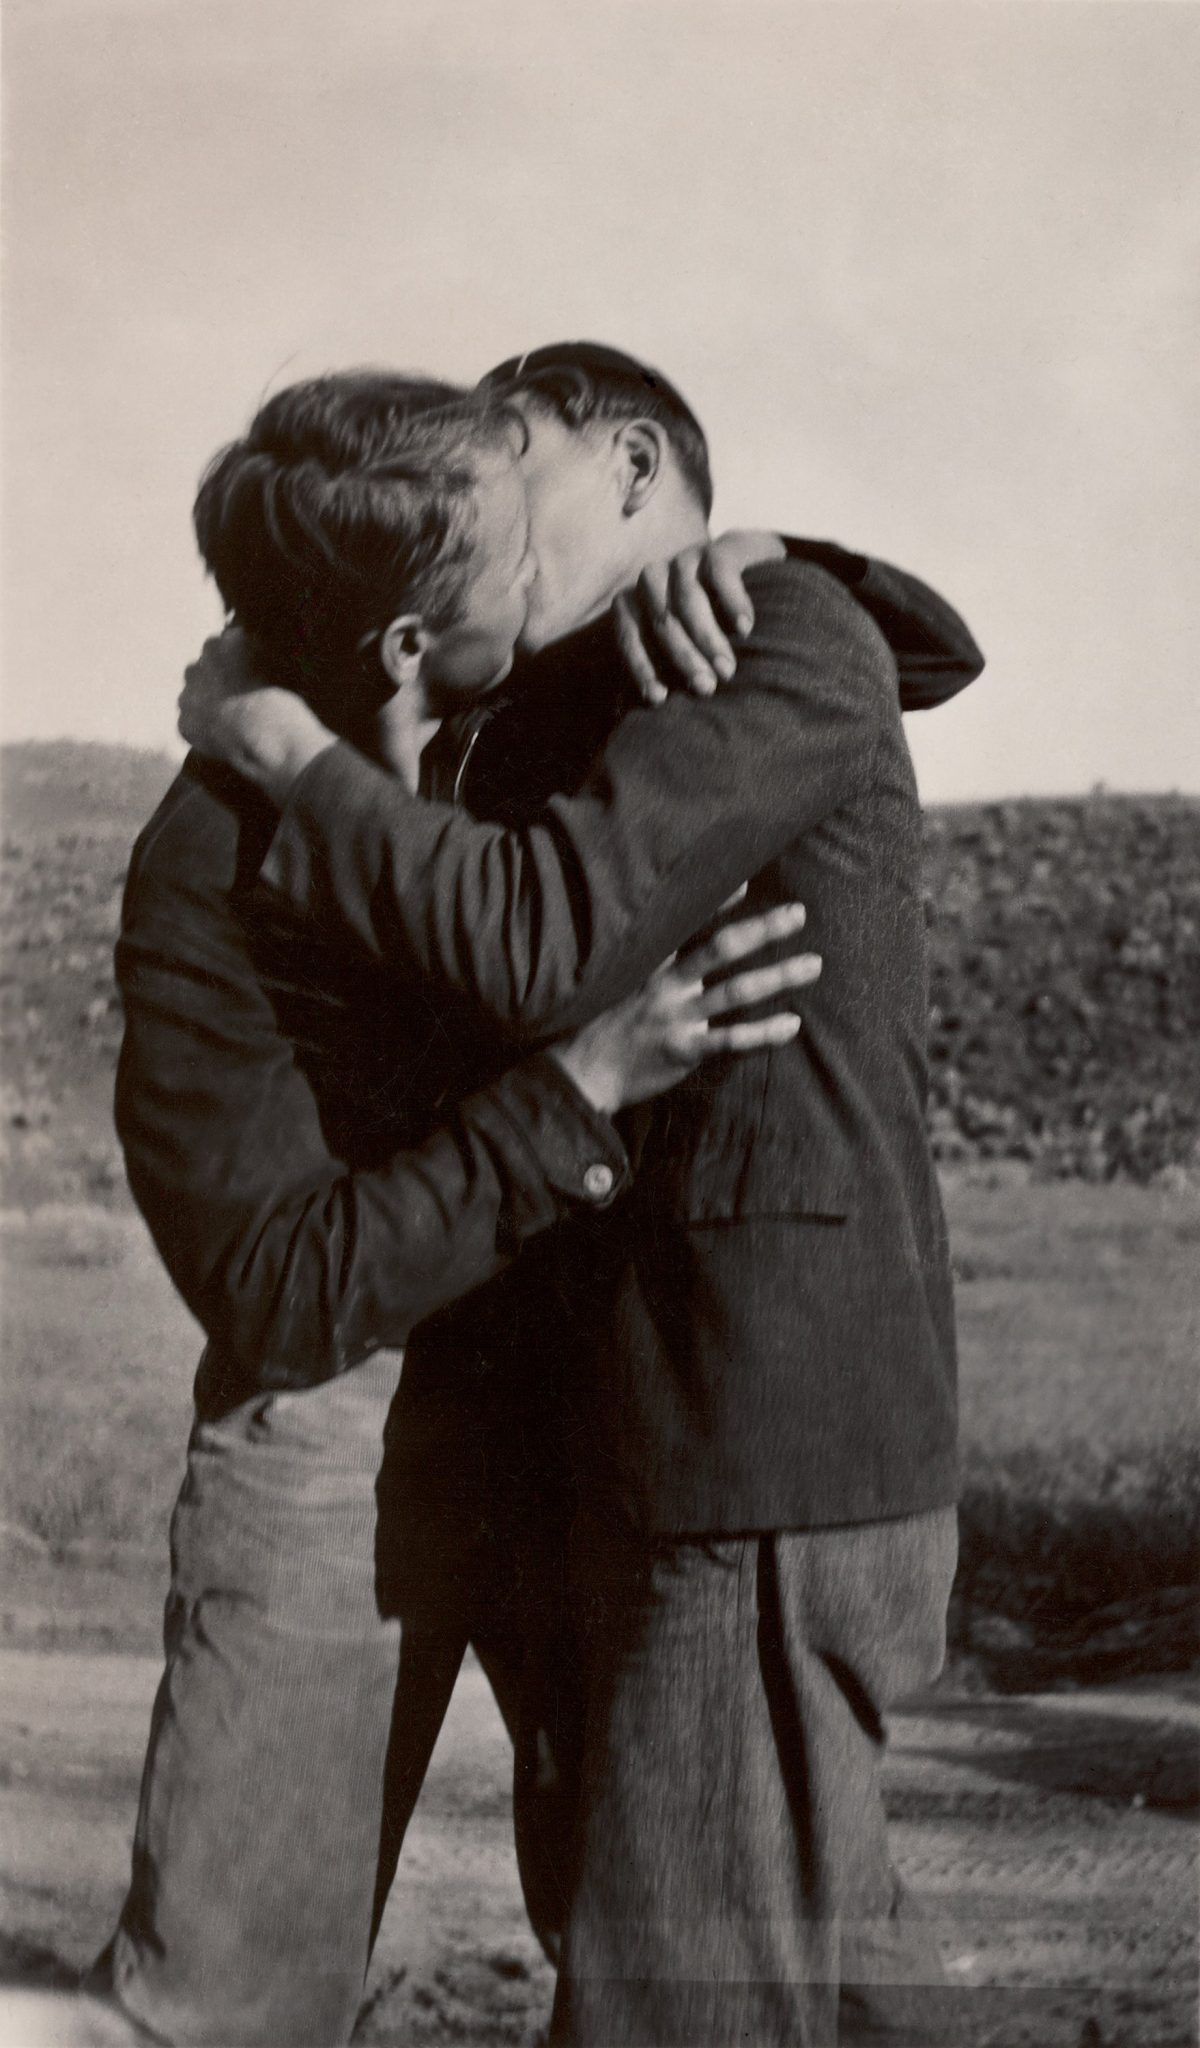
(579, 1160)
(850, 569)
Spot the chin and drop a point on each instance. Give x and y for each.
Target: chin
(544, 627)
(544, 624)
(451, 700)
(533, 637)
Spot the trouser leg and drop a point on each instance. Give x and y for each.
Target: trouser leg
(524, 1636)
(290, 1704)
(733, 1870)
(855, 1619)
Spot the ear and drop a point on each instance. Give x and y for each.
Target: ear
(402, 649)
(641, 449)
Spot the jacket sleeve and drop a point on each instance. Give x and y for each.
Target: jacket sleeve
(294, 1265)
(936, 655)
(542, 927)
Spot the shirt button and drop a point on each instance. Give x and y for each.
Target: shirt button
(598, 1182)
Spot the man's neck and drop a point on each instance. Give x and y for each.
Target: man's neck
(397, 736)
(679, 524)
(401, 753)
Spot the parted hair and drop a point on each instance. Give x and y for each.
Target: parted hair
(349, 500)
(585, 383)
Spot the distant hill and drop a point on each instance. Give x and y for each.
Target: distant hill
(69, 813)
(1065, 1025)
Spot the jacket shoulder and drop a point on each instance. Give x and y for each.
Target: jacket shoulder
(208, 834)
(805, 603)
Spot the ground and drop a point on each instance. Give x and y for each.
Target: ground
(1053, 1835)
(1053, 1838)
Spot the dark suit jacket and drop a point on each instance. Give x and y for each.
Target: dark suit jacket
(766, 1331)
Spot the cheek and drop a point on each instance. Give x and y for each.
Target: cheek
(557, 521)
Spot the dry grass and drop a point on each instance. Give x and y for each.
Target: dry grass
(1080, 1323)
(98, 1361)
(1079, 1314)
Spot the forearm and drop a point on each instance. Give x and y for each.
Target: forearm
(358, 1261)
(294, 1264)
(543, 927)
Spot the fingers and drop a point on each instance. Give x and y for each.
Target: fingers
(728, 589)
(701, 938)
(689, 604)
(667, 626)
(655, 639)
(678, 653)
(727, 561)
(749, 935)
(673, 627)
(633, 652)
(767, 1031)
(704, 1042)
(759, 985)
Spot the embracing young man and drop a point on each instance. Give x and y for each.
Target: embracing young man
(755, 1346)
(323, 1161)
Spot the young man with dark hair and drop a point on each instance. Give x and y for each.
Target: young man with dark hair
(592, 386)
(759, 1343)
(323, 1160)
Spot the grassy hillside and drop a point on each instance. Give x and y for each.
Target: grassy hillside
(69, 813)
(1065, 1025)
(1066, 975)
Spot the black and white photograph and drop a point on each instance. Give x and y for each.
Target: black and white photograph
(600, 1024)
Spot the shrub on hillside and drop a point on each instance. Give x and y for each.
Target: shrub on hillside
(1075, 1561)
(1065, 1017)
(1065, 991)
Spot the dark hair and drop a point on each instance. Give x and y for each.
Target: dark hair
(584, 382)
(349, 499)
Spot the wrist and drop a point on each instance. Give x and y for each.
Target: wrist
(755, 545)
(273, 738)
(280, 770)
(593, 1077)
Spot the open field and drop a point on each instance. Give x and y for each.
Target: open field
(1080, 1323)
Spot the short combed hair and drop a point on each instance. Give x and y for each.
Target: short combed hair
(585, 383)
(350, 499)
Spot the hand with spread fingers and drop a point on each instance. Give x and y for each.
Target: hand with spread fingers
(686, 1012)
(676, 625)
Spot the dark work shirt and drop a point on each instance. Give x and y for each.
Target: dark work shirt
(318, 1167)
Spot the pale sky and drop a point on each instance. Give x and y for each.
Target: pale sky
(928, 272)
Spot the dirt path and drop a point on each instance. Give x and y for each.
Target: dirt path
(1053, 1837)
